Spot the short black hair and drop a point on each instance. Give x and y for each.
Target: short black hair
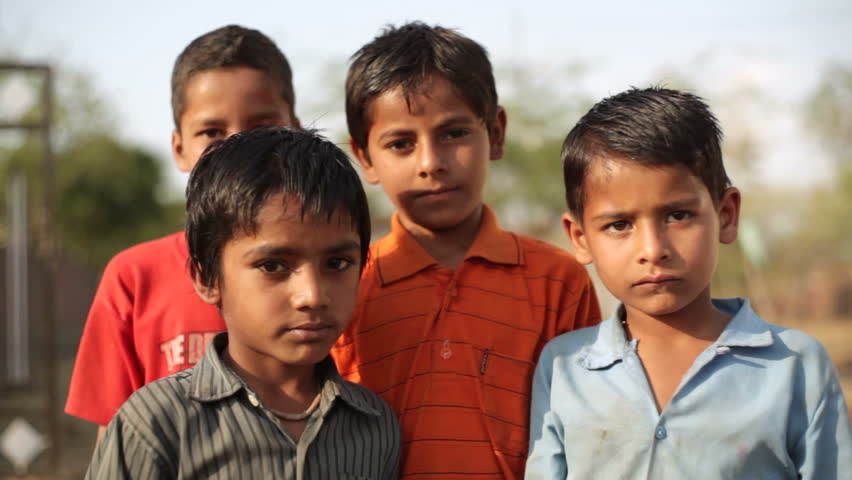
(404, 57)
(234, 178)
(652, 126)
(230, 46)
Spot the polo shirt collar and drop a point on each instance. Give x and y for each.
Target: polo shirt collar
(745, 329)
(212, 380)
(398, 255)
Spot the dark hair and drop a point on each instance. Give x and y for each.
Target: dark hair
(234, 178)
(404, 57)
(652, 126)
(230, 46)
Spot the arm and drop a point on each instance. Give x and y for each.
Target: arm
(824, 451)
(576, 305)
(106, 350)
(391, 469)
(547, 447)
(123, 454)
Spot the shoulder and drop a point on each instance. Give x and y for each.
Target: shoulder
(366, 399)
(572, 344)
(147, 255)
(805, 348)
(539, 254)
(161, 398)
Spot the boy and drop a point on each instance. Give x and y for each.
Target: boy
(146, 321)
(278, 230)
(676, 384)
(453, 311)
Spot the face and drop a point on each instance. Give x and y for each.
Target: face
(653, 234)
(431, 156)
(221, 102)
(287, 292)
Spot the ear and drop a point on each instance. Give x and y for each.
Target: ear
(497, 136)
(177, 152)
(578, 239)
(729, 215)
(363, 158)
(208, 294)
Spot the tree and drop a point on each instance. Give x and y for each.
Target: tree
(107, 192)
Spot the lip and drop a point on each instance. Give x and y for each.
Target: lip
(657, 279)
(310, 331)
(434, 193)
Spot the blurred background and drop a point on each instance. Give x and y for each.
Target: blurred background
(86, 170)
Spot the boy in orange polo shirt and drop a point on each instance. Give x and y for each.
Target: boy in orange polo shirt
(453, 311)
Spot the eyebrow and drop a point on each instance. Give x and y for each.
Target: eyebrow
(446, 123)
(276, 250)
(676, 205)
(214, 121)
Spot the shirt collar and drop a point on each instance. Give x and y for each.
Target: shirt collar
(212, 380)
(398, 255)
(745, 329)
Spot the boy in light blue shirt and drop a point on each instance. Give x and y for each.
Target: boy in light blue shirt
(676, 384)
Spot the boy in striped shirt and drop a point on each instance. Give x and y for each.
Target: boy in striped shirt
(452, 310)
(278, 229)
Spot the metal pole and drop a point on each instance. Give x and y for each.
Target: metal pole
(52, 268)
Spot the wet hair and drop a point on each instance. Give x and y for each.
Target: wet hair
(653, 126)
(230, 46)
(236, 176)
(405, 57)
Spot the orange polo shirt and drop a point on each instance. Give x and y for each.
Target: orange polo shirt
(453, 351)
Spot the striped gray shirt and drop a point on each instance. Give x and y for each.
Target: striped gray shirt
(205, 422)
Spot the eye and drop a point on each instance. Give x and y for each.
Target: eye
(679, 216)
(619, 226)
(339, 264)
(211, 133)
(273, 267)
(400, 144)
(455, 133)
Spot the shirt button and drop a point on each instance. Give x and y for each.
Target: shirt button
(660, 433)
(253, 400)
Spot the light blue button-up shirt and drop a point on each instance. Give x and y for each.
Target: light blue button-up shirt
(762, 402)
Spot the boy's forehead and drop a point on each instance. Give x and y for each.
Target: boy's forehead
(432, 94)
(222, 91)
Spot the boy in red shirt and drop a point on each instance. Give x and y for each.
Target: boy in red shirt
(146, 321)
(452, 310)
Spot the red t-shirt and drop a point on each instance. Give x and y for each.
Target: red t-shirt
(146, 322)
(453, 351)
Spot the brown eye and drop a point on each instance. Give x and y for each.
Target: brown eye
(273, 266)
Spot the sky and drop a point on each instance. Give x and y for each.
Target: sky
(779, 47)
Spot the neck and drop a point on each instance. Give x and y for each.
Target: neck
(289, 388)
(698, 321)
(447, 245)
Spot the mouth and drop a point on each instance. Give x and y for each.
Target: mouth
(657, 279)
(433, 193)
(311, 331)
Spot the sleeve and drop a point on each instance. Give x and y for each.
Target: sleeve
(123, 454)
(824, 451)
(575, 305)
(586, 311)
(107, 370)
(546, 444)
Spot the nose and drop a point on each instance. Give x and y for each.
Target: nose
(308, 290)
(654, 246)
(430, 159)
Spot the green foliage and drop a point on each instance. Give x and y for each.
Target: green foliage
(106, 194)
(526, 186)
